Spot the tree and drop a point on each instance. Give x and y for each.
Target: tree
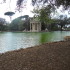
(9, 14)
(19, 24)
(65, 3)
(3, 25)
(26, 21)
(14, 24)
(53, 3)
(62, 21)
(44, 15)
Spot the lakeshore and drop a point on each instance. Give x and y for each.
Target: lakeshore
(48, 56)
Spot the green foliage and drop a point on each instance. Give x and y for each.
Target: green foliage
(9, 13)
(62, 21)
(19, 24)
(53, 3)
(15, 24)
(3, 25)
(65, 3)
(44, 16)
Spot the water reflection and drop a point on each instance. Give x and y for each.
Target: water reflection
(46, 37)
(11, 40)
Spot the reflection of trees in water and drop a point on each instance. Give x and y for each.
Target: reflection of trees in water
(52, 36)
(46, 37)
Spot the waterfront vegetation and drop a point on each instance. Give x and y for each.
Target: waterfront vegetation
(24, 25)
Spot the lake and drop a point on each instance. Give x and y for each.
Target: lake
(15, 40)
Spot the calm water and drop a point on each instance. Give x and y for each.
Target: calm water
(14, 40)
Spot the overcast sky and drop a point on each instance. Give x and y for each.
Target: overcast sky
(60, 11)
(5, 7)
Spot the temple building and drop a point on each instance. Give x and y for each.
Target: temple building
(35, 25)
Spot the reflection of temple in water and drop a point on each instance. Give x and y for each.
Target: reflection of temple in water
(35, 25)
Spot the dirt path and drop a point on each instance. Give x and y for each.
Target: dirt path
(49, 56)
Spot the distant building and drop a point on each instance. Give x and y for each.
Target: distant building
(35, 25)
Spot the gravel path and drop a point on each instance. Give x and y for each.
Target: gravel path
(48, 56)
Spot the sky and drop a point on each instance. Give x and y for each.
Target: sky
(60, 11)
(11, 6)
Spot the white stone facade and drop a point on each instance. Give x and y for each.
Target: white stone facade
(35, 26)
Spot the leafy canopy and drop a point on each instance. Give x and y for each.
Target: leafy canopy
(65, 3)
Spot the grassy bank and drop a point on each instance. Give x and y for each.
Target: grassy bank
(48, 56)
